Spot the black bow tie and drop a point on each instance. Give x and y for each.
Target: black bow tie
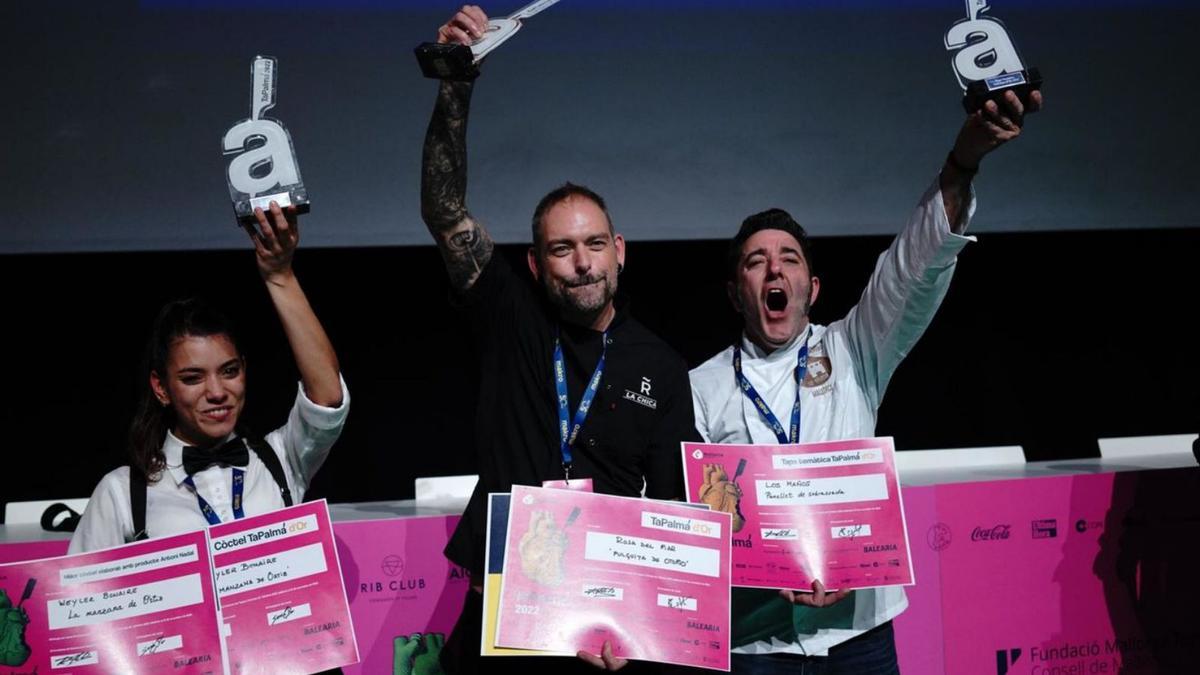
(229, 453)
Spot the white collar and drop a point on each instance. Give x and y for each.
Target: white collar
(173, 452)
(786, 353)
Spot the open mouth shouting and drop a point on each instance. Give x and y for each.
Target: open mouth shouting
(776, 302)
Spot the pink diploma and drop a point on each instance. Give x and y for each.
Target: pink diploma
(827, 511)
(652, 577)
(279, 582)
(145, 607)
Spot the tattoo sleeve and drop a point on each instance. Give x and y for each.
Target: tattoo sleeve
(465, 245)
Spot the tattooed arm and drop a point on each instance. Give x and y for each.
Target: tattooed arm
(465, 245)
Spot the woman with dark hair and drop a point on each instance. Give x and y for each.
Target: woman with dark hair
(190, 464)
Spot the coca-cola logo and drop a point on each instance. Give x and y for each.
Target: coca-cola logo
(995, 533)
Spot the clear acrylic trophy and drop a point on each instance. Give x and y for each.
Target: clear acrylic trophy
(461, 63)
(986, 61)
(262, 165)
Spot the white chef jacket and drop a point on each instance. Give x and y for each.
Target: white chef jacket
(849, 365)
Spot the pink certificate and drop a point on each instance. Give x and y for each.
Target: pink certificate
(145, 607)
(827, 511)
(281, 592)
(580, 568)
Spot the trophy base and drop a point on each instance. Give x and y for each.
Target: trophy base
(447, 61)
(297, 197)
(992, 89)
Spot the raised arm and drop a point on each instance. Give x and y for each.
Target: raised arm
(465, 245)
(913, 275)
(275, 244)
(982, 132)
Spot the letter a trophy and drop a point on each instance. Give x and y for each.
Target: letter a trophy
(986, 61)
(263, 167)
(460, 62)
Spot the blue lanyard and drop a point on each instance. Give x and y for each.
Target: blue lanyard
(763, 409)
(566, 431)
(239, 482)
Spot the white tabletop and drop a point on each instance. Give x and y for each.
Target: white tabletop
(408, 508)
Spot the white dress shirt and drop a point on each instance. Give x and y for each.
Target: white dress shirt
(302, 445)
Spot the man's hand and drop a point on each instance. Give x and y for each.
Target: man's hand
(465, 27)
(990, 127)
(985, 130)
(606, 660)
(817, 598)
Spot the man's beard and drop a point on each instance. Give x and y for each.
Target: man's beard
(581, 299)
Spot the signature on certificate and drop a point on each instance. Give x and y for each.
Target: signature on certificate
(152, 648)
(283, 615)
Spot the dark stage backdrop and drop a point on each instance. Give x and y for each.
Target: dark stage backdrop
(1045, 339)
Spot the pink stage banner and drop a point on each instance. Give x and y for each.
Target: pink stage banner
(652, 577)
(280, 586)
(1098, 573)
(405, 596)
(920, 638)
(828, 511)
(143, 607)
